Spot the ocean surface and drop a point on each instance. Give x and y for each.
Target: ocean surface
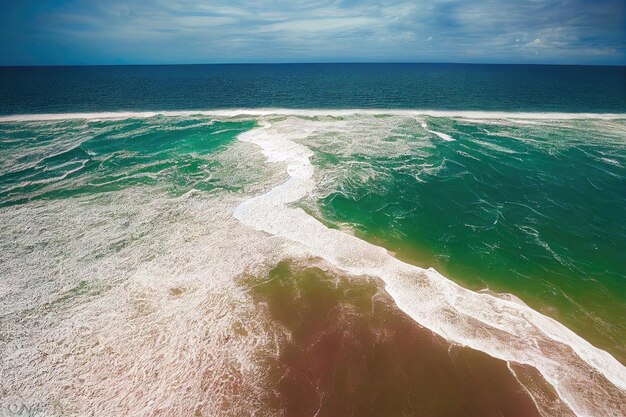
(321, 239)
(304, 86)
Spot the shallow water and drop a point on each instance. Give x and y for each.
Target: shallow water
(535, 209)
(349, 351)
(128, 242)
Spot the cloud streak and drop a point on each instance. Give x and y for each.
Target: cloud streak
(191, 31)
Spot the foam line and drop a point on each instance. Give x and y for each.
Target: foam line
(589, 381)
(313, 112)
(443, 136)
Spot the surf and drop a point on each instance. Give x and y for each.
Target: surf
(588, 380)
(248, 217)
(263, 112)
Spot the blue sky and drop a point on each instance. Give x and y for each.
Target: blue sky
(51, 32)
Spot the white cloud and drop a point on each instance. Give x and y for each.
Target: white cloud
(198, 31)
(320, 25)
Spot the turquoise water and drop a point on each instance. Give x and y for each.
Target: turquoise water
(43, 160)
(125, 240)
(532, 208)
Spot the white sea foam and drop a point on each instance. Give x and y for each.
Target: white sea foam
(124, 303)
(590, 381)
(443, 136)
(127, 303)
(472, 115)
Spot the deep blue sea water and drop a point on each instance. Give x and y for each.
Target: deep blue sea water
(419, 86)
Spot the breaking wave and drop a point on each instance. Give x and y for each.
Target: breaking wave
(139, 285)
(590, 381)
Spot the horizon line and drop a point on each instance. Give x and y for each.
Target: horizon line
(311, 63)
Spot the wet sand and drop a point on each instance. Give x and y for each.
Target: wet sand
(349, 351)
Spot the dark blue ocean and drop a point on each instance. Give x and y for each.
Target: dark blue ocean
(418, 86)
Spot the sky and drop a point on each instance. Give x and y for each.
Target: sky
(77, 32)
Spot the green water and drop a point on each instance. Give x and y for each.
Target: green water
(51, 160)
(535, 209)
(121, 245)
